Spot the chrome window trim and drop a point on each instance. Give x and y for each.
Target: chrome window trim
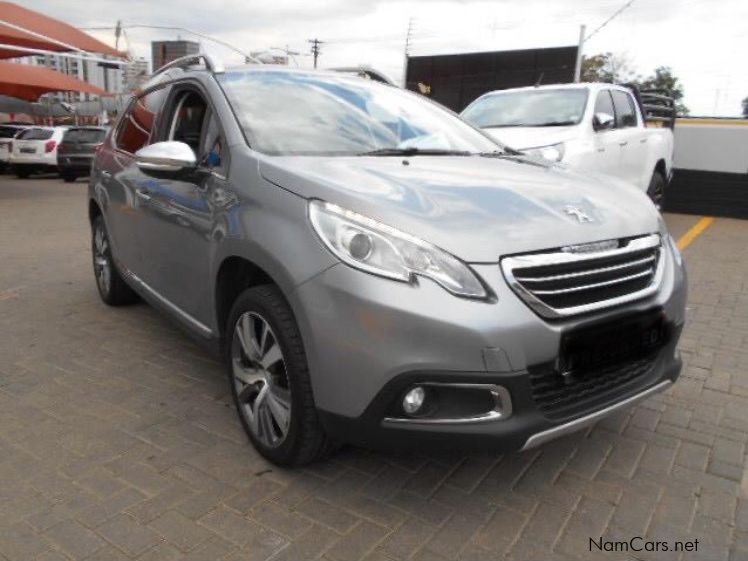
(557, 257)
(502, 407)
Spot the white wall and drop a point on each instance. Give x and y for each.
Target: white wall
(711, 145)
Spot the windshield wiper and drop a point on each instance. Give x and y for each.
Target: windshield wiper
(529, 125)
(503, 153)
(555, 124)
(414, 152)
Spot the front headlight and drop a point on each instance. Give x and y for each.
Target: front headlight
(376, 248)
(553, 152)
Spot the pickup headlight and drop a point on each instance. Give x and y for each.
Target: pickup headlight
(552, 152)
(376, 248)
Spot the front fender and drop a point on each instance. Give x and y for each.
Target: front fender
(272, 231)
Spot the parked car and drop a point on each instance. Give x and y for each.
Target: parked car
(376, 270)
(35, 150)
(590, 127)
(7, 132)
(76, 151)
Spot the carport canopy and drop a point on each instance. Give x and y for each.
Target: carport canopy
(21, 27)
(28, 82)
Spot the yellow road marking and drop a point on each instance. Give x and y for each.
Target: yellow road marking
(707, 121)
(695, 231)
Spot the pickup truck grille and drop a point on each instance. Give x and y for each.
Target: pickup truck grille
(580, 279)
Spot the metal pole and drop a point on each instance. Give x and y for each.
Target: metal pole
(407, 53)
(578, 66)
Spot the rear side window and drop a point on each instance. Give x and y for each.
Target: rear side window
(8, 132)
(625, 112)
(137, 124)
(86, 136)
(36, 134)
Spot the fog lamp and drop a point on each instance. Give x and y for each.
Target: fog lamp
(413, 400)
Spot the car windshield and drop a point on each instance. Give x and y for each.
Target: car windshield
(528, 108)
(91, 136)
(35, 134)
(302, 113)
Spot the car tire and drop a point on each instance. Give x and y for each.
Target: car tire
(69, 178)
(23, 173)
(656, 190)
(269, 379)
(113, 290)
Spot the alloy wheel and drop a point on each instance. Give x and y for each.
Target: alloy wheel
(102, 261)
(260, 379)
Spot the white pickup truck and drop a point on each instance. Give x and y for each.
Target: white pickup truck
(593, 127)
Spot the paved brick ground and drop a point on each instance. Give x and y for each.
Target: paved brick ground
(118, 439)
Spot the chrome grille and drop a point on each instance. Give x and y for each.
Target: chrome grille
(572, 281)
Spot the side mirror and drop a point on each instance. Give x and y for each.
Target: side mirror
(170, 156)
(602, 121)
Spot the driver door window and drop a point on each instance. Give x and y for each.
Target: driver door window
(606, 158)
(196, 125)
(188, 119)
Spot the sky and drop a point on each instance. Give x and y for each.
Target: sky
(705, 42)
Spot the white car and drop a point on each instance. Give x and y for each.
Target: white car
(592, 127)
(7, 132)
(35, 150)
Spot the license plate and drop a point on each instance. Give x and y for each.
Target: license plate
(28, 150)
(584, 350)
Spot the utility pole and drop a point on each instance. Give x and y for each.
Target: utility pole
(117, 33)
(315, 49)
(407, 52)
(578, 65)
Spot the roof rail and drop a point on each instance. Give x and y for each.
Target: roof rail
(210, 63)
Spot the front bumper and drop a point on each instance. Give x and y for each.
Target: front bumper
(368, 339)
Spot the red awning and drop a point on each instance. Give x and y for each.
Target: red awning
(29, 82)
(46, 26)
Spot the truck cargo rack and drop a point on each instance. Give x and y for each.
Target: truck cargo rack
(657, 105)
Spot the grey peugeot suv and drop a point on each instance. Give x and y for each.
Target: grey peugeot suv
(377, 271)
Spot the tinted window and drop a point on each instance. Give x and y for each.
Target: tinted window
(309, 113)
(134, 131)
(604, 104)
(8, 132)
(187, 121)
(86, 136)
(625, 112)
(528, 108)
(36, 134)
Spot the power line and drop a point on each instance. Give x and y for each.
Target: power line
(611, 18)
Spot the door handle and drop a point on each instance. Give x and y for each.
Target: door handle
(643, 140)
(601, 149)
(106, 174)
(624, 143)
(143, 194)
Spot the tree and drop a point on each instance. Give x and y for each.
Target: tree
(606, 67)
(616, 68)
(745, 108)
(663, 79)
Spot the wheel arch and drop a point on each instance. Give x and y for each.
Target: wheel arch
(94, 210)
(661, 167)
(234, 275)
